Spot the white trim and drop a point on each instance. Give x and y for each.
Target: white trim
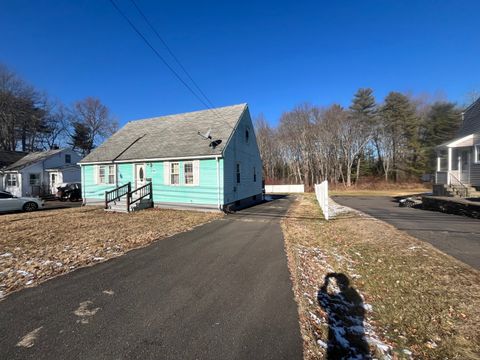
(150, 160)
(476, 155)
(218, 183)
(193, 173)
(453, 143)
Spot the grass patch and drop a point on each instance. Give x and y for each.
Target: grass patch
(36, 246)
(424, 303)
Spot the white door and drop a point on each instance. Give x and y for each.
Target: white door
(464, 166)
(139, 175)
(53, 182)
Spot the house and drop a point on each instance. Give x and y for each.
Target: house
(39, 173)
(7, 158)
(204, 159)
(458, 160)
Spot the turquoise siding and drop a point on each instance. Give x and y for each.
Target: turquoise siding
(91, 190)
(205, 193)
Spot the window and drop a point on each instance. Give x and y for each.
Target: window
(111, 174)
(175, 173)
(188, 172)
(254, 174)
(247, 135)
(106, 174)
(68, 158)
(477, 153)
(34, 179)
(101, 174)
(4, 195)
(238, 173)
(11, 179)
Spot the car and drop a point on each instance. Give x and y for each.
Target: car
(69, 191)
(10, 202)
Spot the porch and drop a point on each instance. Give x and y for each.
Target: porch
(453, 176)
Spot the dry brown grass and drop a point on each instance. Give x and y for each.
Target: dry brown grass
(423, 300)
(36, 246)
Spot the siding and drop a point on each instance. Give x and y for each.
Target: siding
(471, 120)
(205, 193)
(248, 155)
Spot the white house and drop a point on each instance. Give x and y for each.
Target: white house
(39, 173)
(458, 160)
(8, 158)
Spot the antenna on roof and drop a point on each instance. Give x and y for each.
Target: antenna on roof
(208, 136)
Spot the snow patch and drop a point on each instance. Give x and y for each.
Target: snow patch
(108, 292)
(7, 254)
(29, 340)
(83, 311)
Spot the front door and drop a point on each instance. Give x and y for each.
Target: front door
(53, 183)
(139, 175)
(464, 166)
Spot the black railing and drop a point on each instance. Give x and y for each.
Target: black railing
(117, 193)
(131, 196)
(140, 193)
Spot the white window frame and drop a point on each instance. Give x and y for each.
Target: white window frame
(476, 154)
(9, 178)
(192, 173)
(172, 174)
(112, 177)
(37, 178)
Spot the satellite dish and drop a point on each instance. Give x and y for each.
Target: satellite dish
(215, 143)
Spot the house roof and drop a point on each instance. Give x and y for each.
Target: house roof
(172, 136)
(9, 157)
(32, 158)
(458, 142)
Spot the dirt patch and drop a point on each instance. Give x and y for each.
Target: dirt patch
(37, 246)
(406, 298)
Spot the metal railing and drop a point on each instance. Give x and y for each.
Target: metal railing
(117, 193)
(141, 192)
(458, 186)
(131, 196)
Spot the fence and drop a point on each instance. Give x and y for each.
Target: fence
(321, 191)
(272, 189)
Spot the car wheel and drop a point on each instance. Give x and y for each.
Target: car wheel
(30, 206)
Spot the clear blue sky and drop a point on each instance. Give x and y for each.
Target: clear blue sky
(272, 55)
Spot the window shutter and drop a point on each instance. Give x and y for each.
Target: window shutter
(95, 174)
(166, 172)
(196, 172)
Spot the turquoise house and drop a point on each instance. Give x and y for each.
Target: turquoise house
(204, 159)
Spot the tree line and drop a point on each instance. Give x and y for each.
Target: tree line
(394, 140)
(32, 121)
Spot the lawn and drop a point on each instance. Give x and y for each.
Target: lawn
(37, 246)
(406, 298)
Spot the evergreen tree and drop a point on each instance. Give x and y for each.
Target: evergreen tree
(401, 124)
(80, 139)
(441, 124)
(363, 110)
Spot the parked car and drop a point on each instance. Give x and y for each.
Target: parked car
(69, 191)
(9, 202)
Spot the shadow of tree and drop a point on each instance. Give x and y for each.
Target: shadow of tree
(346, 313)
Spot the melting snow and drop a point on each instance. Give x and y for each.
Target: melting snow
(7, 254)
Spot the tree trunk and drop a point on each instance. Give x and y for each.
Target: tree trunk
(358, 170)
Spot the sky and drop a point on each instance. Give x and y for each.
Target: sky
(272, 55)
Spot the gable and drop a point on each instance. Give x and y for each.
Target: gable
(173, 136)
(471, 120)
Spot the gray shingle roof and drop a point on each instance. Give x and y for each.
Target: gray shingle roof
(170, 136)
(32, 158)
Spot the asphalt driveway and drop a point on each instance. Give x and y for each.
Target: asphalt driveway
(458, 236)
(221, 291)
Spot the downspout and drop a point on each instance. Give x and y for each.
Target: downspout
(219, 206)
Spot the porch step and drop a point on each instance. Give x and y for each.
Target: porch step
(121, 206)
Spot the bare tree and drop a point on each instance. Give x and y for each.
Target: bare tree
(96, 119)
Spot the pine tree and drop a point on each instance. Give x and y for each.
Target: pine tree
(80, 139)
(363, 110)
(402, 125)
